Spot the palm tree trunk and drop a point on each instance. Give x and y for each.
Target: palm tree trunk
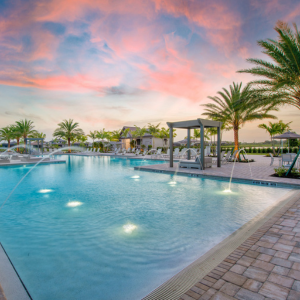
(69, 144)
(18, 143)
(8, 143)
(236, 138)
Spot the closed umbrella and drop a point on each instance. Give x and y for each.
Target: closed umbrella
(287, 136)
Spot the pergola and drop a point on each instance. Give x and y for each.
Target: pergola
(196, 124)
(27, 142)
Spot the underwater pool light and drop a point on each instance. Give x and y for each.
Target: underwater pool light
(135, 176)
(128, 228)
(74, 203)
(227, 191)
(44, 191)
(172, 182)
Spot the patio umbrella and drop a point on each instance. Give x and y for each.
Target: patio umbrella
(287, 136)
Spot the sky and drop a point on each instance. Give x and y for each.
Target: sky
(114, 63)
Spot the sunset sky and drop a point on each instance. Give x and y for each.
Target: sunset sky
(110, 63)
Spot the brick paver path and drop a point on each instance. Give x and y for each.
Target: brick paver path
(265, 266)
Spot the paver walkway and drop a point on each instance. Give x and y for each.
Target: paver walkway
(266, 266)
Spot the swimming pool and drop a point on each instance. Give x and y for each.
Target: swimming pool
(63, 228)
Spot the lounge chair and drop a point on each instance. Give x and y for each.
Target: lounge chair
(157, 153)
(4, 159)
(137, 152)
(215, 160)
(196, 164)
(167, 155)
(233, 156)
(116, 151)
(182, 153)
(176, 153)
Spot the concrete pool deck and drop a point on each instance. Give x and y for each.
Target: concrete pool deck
(17, 163)
(257, 172)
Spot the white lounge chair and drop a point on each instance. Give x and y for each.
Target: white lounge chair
(182, 153)
(137, 152)
(233, 156)
(167, 155)
(176, 153)
(196, 164)
(156, 154)
(4, 159)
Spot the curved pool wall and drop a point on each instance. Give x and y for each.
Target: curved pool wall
(83, 251)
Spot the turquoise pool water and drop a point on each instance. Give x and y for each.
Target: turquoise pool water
(64, 251)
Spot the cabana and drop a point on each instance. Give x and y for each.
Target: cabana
(27, 142)
(196, 124)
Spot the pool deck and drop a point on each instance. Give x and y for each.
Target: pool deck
(17, 163)
(257, 172)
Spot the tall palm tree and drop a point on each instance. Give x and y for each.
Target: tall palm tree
(17, 135)
(235, 108)
(92, 135)
(281, 78)
(25, 128)
(7, 134)
(68, 129)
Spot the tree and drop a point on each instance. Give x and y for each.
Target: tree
(283, 127)
(38, 135)
(17, 135)
(25, 128)
(281, 79)
(153, 130)
(275, 128)
(7, 134)
(115, 135)
(164, 133)
(235, 108)
(93, 136)
(138, 133)
(68, 129)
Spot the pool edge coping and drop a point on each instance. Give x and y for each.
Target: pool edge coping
(13, 286)
(181, 282)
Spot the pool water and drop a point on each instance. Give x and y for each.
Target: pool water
(95, 228)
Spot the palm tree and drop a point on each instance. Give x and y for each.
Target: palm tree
(6, 134)
(115, 135)
(164, 133)
(138, 133)
(235, 108)
(25, 128)
(272, 129)
(283, 127)
(93, 136)
(281, 79)
(38, 135)
(68, 129)
(17, 135)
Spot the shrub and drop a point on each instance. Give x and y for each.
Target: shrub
(280, 171)
(285, 150)
(149, 147)
(254, 150)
